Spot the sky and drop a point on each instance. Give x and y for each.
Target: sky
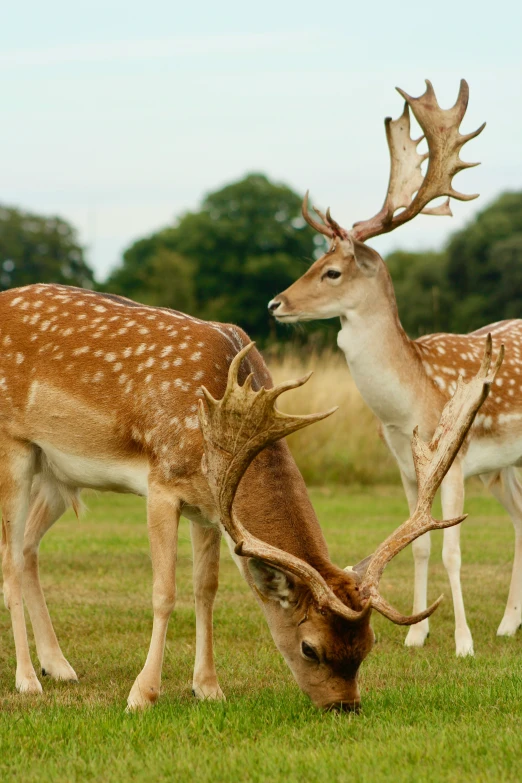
(121, 116)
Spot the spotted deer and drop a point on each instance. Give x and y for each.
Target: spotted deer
(407, 382)
(98, 391)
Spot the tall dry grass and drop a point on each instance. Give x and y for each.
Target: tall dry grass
(344, 448)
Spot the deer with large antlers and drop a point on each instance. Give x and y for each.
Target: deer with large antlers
(407, 382)
(98, 391)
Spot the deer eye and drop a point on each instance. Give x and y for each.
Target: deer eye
(309, 652)
(332, 274)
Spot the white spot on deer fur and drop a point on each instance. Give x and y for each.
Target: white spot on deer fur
(148, 378)
(34, 318)
(498, 399)
(141, 349)
(151, 347)
(183, 345)
(127, 352)
(130, 323)
(499, 381)
(165, 386)
(45, 325)
(506, 418)
(79, 351)
(24, 306)
(98, 353)
(110, 357)
(100, 309)
(149, 362)
(129, 386)
(16, 300)
(123, 330)
(165, 365)
(166, 351)
(196, 356)
(143, 330)
(488, 421)
(19, 358)
(97, 377)
(81, 316)
(441, 383)
(7, 340)
(181, 385)
(177, 362)
(67, 332)
(117, 367)
(512, 381)
(191, 422)
(199, 375)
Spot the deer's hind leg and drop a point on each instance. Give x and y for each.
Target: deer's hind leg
(17, 467)
(48, 503)
(506, 486)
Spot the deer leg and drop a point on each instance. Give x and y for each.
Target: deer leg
(163, 511)
(206, 551)
(15, 489)
(421, 547)
(507, 488)
(45, 509)
(452, 497)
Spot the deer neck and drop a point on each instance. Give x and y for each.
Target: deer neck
(273, 504)
(382, 359)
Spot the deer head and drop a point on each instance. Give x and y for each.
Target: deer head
(321, 621)
(350, 274)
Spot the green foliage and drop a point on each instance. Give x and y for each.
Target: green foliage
(36, 249)
(424, 297)
(247, 243)
(485, 263)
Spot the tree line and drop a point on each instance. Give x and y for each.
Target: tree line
(248, 242)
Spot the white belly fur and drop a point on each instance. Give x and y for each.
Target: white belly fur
(92, 473)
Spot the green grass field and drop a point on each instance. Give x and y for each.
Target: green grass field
(426, 715)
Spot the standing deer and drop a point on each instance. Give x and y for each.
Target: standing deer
(100, 392)
(407, 382)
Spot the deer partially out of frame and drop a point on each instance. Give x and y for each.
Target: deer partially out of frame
(407, 382)
(97, 391)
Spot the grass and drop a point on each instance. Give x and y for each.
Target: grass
(344, 448)
(426, 715)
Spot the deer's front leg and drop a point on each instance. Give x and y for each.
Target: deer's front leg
(421, 547)
(206, 551)
(17, 463)
(163, 510)
(452, 497)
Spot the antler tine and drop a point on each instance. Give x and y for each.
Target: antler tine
(322, 229)
(235, 429)
(338, 230)
(408, 188)
(432, 461)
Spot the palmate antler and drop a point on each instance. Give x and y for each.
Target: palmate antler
(408, 188)
(237, 427)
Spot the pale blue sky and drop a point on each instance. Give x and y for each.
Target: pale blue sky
(119, 116)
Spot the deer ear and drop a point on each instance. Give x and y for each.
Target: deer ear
(366, 258)
(360, 569)
(272, 583)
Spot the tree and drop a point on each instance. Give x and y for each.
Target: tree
(423, 295)
(247, 243)
(37, 249)
(484, 263)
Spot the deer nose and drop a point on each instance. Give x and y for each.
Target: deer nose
(343, 706)
(273, 305)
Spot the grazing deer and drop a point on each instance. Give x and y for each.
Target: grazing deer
(97, 391)
(407, 382)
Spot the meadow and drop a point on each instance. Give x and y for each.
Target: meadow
(426, 715)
